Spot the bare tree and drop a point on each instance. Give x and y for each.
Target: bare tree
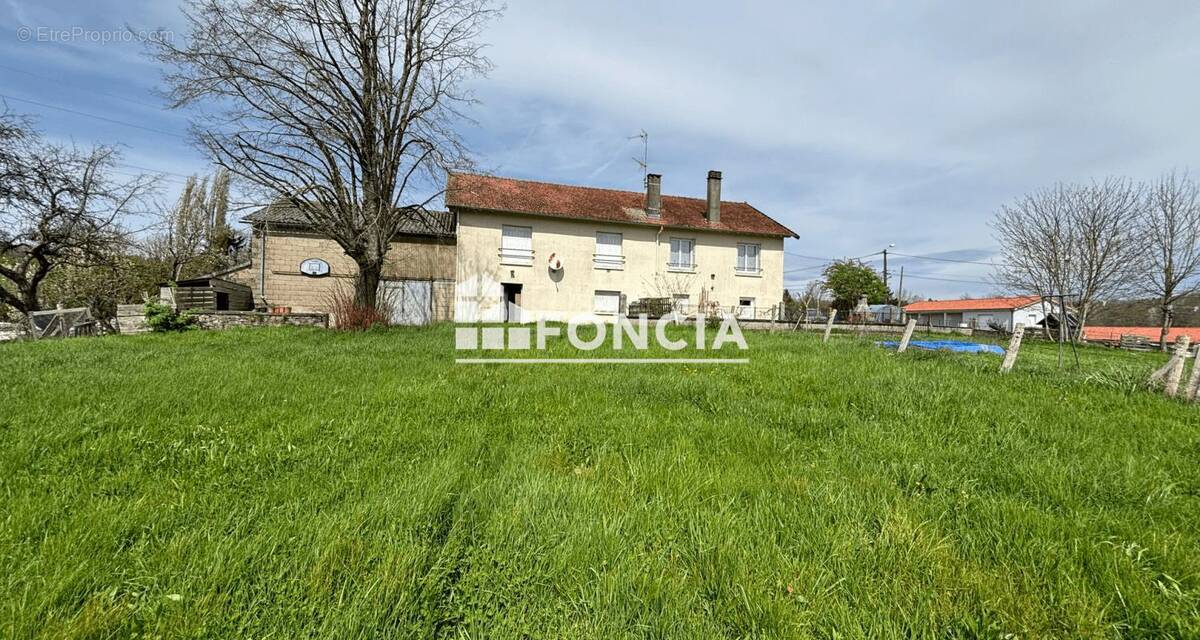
(185, 229)
(1169, 232)
(1071, 239)
(812, 297)
(344, 107)
(15, 133)
(58, 206)
(221, 237)
(673, 287)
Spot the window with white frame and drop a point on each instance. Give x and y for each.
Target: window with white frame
(516, 245)
(747, 257)
(608, 251)
(683, 254)
(607, 303)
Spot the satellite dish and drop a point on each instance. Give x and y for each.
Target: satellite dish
(555, 263)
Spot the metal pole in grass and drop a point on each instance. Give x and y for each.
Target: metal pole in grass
(1074, 335)
(829, 325)
(1175, 374)
(908, 331)
(1014, 347)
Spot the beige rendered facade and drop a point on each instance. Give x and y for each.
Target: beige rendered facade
(591, 279)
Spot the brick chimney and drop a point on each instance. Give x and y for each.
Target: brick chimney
(713, 212)
(653, 195)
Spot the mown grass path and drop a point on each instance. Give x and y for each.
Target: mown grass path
(299, 483)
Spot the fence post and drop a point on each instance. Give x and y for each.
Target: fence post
(1178, 360)
(1193, 384)
(829, 325)
(908, 331)
(1014, 347)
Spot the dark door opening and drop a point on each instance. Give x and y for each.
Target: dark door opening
(222, 301)
(512, 302)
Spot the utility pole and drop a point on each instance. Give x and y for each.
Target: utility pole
(885, 270)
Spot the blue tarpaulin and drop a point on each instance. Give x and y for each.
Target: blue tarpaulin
(947, 345)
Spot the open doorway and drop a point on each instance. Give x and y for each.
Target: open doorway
(512, 302)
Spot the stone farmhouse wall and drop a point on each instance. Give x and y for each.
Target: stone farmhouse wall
(413, 258)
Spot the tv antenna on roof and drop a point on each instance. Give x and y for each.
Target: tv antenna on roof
(644, 163)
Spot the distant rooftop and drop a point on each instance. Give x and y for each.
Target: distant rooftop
(972, 304)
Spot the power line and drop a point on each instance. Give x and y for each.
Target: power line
(801, 255)
(988, 264)
(94, 116)
(58, 82)
(920, 277)
(166, 173)
(106, 119)
(817, 266)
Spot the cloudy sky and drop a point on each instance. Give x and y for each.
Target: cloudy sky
(859, 125)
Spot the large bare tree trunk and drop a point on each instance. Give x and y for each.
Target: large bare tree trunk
(366, 285)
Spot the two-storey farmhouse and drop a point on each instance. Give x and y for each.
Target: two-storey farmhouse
(515, 250)
(533, 250)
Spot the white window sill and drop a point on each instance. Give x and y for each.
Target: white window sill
(516, 257)
(610, 265)
(748, 274)
(681, 269)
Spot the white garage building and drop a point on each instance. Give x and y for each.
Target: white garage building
(980, 313)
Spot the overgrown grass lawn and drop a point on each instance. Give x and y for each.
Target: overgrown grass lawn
(301, 483)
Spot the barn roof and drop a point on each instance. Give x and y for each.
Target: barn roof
(427, 223)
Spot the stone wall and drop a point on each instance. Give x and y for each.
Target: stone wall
(10, 331)
(229, 319)
(131, 318)
(413, 258)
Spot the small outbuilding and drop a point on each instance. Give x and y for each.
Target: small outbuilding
(981, 313)
(208, 293)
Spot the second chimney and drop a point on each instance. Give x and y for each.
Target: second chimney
(653, 195)
(713, 212)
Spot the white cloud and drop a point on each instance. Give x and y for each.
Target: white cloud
(856, 124)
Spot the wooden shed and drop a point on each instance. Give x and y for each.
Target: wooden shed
(209, 293)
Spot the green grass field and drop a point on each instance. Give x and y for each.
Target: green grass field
(301, 483)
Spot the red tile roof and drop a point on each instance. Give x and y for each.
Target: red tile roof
(1115, 333)
(509, 195)
(976, 304)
